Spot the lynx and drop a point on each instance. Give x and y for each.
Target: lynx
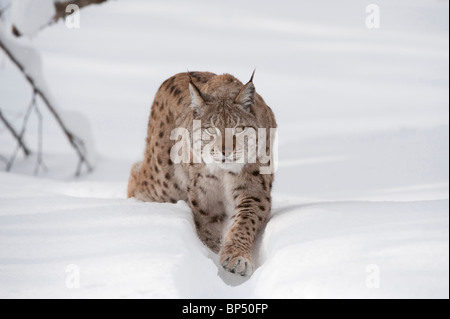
(230, 198)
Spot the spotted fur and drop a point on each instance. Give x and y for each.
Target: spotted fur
(230, 204)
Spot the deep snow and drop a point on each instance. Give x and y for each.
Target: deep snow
(361, 194)
(125, 248)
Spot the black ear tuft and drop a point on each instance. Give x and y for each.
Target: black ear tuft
(253, 74)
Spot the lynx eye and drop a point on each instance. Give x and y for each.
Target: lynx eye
(239, 129)
(211, 130)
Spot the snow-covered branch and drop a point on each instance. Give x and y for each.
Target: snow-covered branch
(30, 17)
(61, 6)
(51, 12)
(27, 59)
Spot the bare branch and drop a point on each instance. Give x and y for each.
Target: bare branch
(39, 161)
(61, 7)
(10, 162)
(15, 134)
(74, 141)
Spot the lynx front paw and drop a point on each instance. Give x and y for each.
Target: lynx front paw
(237, 264)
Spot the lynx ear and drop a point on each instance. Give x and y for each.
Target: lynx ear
(196, 96)
(246, 96)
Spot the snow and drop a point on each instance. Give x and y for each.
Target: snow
(26, 54)
(361, 194)
(30, 16)
(127, 249)
(78, 123)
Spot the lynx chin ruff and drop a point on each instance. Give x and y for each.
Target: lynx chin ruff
(230, 200)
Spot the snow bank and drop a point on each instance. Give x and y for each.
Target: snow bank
(128, 249)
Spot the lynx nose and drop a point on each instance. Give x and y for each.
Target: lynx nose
(226, 152)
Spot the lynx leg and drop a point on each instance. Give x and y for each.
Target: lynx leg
(132, 181)
(236, 253)
(251, 209)
(138, 186)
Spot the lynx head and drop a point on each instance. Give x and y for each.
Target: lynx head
(228, 124)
